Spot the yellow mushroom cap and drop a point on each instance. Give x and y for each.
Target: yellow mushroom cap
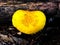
(28, 22)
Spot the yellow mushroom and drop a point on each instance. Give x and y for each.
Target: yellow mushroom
(28, 22)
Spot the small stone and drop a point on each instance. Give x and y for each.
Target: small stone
(19, 33)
